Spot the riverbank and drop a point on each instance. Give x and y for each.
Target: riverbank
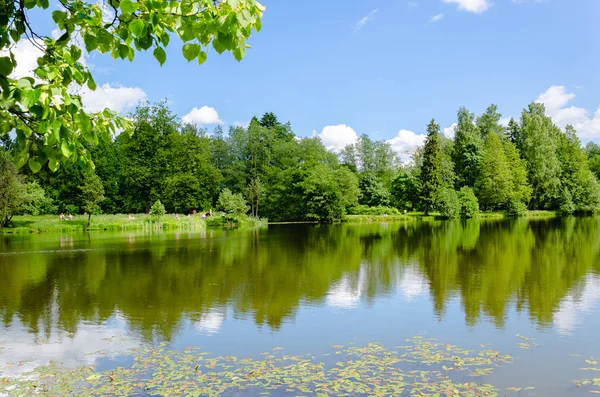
(51, 223)
(418, 216)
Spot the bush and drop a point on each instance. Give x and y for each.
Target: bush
(232, 204)
(448, 203)
(158, 209)
(37, 201)
(469, 205)
(516, 208)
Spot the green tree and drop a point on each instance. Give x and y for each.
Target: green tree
(539, 148)
(468, 149)
(13, 192)
(322, 195)
(494, 185)
(431, 168)
(469, 205)
(489, 122)
(92, 194)
(38, 203)
(520, 188)
(232, 204)
(448, 203)
(579, 192)
(373, 193)
(256, 193)
(44, 110)
(405, 190)
(593, 152)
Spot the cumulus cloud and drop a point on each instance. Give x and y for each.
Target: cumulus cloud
(556, 100)
(436, 18)
(26, 55)
(450, 131)
(204, 116)
(476, 6)
(336, 137)
(406, 141)
(119, 99)
(366, 19)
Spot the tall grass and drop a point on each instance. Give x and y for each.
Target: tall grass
(52, 223)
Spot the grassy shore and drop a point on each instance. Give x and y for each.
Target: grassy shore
(52, 223)
(418, 216)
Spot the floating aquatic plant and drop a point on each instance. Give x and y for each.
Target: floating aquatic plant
(422, 367)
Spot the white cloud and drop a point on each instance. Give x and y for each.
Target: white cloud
(203, 116)
(450, 131)
(116, 98)
(476, 6)
(210, 323)
(580, 301)
(406, 141)
(26, 55)
(335, 137)
(556, 99)
(436, 18)
(360, 24)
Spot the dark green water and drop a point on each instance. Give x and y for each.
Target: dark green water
(305, 287)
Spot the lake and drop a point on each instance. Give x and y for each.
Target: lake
(526, 288)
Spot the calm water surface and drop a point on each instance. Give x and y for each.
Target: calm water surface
(305, 287)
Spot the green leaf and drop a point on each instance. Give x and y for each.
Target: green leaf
(164, 38)
(43, 3)
(190, 51)
(91, 83)
(239, 53)
(123, 51)
(34, 166)
(90, 42)
(186, 6)
(202, 57)
(233, 3)
(244, 17)
(53, 164)
(138, 28)
(128, 7)
(64, 148)
(160, 55)
(59, 16)
(6, 66)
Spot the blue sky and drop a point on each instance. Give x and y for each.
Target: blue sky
(380, 67)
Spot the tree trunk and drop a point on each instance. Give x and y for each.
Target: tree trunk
(89, 218)
(426, 210)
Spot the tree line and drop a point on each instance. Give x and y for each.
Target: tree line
(268, 171)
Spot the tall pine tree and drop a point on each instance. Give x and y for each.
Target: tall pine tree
(431, 171)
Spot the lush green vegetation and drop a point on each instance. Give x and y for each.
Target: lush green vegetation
(266, 170)
(44, 109)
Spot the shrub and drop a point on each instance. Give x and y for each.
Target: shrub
(448, 203)
(469, 205)
(232, 204)
(516, 208)
(158, 209)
